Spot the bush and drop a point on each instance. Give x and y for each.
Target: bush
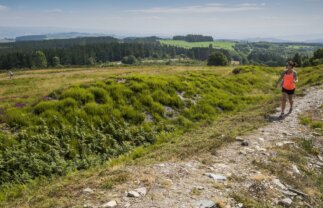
(239, 70)
(81, 95)
(45, 105)
(100, 95)
(93, 109)
(217, 59)
(17, 117)
(129, 60)
(131, 115)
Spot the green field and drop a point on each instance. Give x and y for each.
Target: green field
(216, 44)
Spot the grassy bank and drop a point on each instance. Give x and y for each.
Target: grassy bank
(152, 112)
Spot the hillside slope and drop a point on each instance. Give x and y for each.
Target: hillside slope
(175, 169)
(275, 165)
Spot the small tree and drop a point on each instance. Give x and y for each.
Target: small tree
(297, 59)
(91, 61)
(318, 54)
(217, 59)
(129, 60)
(56, 61)
(155, 56)
(39, 60)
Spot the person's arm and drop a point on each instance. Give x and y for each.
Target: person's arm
(295, 77)
(280, 79)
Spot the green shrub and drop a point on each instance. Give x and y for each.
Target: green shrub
(53, 118)
(93, 109)
(131, 115)
(163, 98)
(81, 95)
(100, 95)
(45, 105)
(17, 117)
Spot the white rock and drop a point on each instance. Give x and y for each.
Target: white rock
(88, 190)
(217, 177)
(240, 205)
(242, 152)
(89, 206)
(205, 204)
(279, 144)
(142, 191)
(249, 150)
(320, 158)
(260, 148)
(287, 134)
(239, 139)
(278, 183)
(126, 205)
(261, 139)
(133, 194)
(110, 204)
(285, 202)
(289, 193)
(295, 169)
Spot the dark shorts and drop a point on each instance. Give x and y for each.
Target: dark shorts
(289, 92)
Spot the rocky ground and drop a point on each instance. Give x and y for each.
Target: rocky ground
(265, 168)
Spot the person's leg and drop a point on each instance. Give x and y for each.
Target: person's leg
(284, 99)
(290, 98)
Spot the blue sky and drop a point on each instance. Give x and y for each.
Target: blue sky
(291, 19)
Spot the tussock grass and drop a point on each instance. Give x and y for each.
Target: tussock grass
(95, 129)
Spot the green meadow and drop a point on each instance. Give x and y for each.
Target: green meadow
(228, 45)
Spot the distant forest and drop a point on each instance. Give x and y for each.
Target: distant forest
(194, 38)
(97, 50)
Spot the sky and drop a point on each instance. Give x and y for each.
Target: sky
(231, 19)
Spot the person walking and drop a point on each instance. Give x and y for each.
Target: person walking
(288, 80)
(10, 74)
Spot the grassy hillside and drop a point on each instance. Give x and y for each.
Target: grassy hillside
(86, 124)
(104, 113)
(216, 44)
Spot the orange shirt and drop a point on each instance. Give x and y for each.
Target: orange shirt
(288, 81)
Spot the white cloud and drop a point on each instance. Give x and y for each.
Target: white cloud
(3, 8)
(206, 8)
(53, 11)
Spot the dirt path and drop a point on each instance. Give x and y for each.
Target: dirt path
(214, 179)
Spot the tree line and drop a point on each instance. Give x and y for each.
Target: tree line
(194, 38)
(92, 54)
(91, 51)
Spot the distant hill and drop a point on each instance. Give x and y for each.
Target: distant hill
(31, 38)
(271, 40)
(315, 41)
(7, 40)
(53, 36)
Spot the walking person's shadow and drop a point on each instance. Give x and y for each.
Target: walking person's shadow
(272, 118)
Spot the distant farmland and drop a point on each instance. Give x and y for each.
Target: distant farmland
(216, 44)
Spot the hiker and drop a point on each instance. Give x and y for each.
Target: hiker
(10, 74)
(289, 80)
